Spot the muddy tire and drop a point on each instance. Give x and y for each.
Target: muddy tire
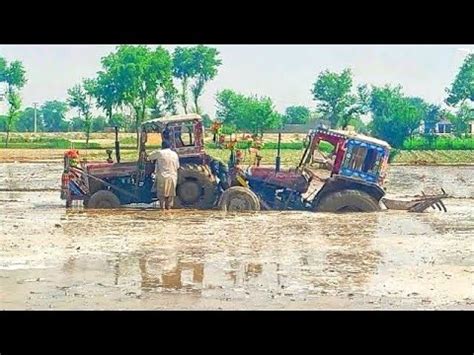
(103, 199)
(348, 201)
(197, 187)
(239, 198)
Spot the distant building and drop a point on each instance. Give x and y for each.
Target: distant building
(471, 127)
(442, 127)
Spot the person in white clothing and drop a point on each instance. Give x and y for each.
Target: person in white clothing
(166, 171)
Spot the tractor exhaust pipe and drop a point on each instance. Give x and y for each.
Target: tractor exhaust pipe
(117, 145)
(278, 158)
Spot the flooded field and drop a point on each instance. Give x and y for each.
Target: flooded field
(53, 258)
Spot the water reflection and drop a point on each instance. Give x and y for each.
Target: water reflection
(153, 276)
(207, 255)
(351, 259)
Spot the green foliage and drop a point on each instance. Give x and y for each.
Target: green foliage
(53, 114)
(13, 76)
(3, 120)
(117, 120)
(197, 63)
(432, 117)
(80, 98)
(206, 121)
(228, 129)
(77, 124)
(26, 120)
(296, 115)
(335, 102)
(439, 143)
(46, 143)
(205, 61)
(247, 113)
(183, 69)
(358, 125)
(98, 124)
(461, 119)
(394, 116)
(462, 88)
(141, 76)
(324, 146)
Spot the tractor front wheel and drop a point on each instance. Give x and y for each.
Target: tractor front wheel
(348, 201)
(239, 198)
(103, 199)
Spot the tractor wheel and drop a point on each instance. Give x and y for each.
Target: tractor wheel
(197, 187)
(239, 198)
(348, 201)
(103, 199)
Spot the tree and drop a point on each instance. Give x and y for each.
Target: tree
(432, 117)
(462, 88)
(105, 91)
(81, 99)
(164, 100)
(13, 76)
(77, 124)
(206, 120)
(99, 123)
(117, 120)
(54, 113)
(358, 125)
(394, 116)
(140, 75)
(332, 91)
(297, 115)
(14, 104)
(3, 123)
(247, 113)
(26, 120)
(184, 70)
(205, 61)
(461, 119)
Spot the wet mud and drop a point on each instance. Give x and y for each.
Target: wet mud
(141, 258)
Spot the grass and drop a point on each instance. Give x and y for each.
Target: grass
(439, 143)
(292, 148)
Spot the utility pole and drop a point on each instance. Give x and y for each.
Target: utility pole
(34, 105)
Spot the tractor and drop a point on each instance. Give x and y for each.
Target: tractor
(347, 179)
(201, 178)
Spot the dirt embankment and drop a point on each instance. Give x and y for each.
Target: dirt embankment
(290, 157)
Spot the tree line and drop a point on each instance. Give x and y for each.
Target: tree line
(394, 116)
(136, 83)
(134, 78)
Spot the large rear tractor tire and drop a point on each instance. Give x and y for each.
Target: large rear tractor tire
(239, 198)
(348, 201)
(197, 187)
(103, 199)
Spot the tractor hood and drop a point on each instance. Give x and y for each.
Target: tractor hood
(284, 178)
(108, 170)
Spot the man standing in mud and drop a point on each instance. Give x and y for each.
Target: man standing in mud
(166, 171)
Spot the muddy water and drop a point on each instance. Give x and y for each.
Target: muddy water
(143, 259)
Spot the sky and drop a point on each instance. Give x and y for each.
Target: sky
(285, 73)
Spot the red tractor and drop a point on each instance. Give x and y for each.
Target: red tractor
(347, 179)
(201, 178)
